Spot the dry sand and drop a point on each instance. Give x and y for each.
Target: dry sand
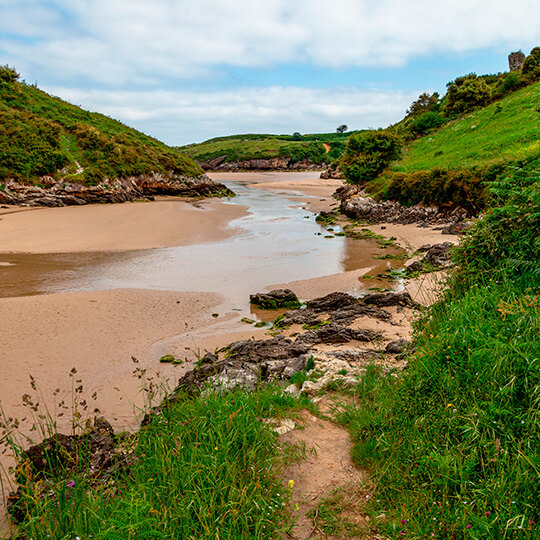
(116, 227)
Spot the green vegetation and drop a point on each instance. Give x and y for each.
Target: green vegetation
(203, 467)
(295, 147)
(44, 135)
(367, 154)
(453, 443)
(499, 133)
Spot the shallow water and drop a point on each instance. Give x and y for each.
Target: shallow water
(277, 242)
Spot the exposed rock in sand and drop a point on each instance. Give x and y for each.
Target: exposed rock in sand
(63, 193)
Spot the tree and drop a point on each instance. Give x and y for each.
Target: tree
(342, 129)
(425, 103)
(466, 93)
(367, 154)
(8, 74)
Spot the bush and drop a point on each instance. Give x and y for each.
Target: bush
(465, 188)
(509, 231)
(367, 154)
(531, 66)
(426, 122)
(8, 74)
(425, 102)
(466, 93)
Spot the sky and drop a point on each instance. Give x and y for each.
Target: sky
(186, 71)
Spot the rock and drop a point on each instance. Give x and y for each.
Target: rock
(333, 172)
(438, 255)
(257, 351)
(61, 193)
(278, 163)
(335, 333)
(276, 299)
(458, 227)
(331, 302)
(60, 454)
(402, 299)
(231, 378)
(397, 346)
(355, 203)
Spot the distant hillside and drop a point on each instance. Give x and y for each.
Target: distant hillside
(43, 135)
(268, 151)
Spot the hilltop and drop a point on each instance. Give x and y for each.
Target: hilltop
(266, 151)
(53, 152)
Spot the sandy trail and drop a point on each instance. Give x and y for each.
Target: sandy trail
(116, 227)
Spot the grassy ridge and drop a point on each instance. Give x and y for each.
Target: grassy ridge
(41, 134)
(504, 131)
(265, 146)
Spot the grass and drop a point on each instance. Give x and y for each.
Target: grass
(453, 443)
(502, 132)
(41, 135)
(265, 146)
(204, 468)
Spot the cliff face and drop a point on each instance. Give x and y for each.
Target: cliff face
(58, 193)
(274, 164)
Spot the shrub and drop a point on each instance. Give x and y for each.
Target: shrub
(531, 66)
(465, 188)
(426, 122)
(8, 74)
(367, 154)
(466, 93)
(425, 102)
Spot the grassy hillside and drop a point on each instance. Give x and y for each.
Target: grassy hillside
(44, 135)
(504, 131)
(266, 146)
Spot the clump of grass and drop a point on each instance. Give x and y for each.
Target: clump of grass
(200, 467)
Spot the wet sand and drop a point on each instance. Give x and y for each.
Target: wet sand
(116, 227)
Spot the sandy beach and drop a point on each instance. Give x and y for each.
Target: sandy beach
(116, 227)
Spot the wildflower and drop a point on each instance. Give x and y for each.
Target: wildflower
(487, 513)
(468, 526)
(297, 507)
(403, 521)
(71, 484)
(291, 483)
(215, 447)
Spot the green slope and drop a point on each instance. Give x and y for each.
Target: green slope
(44, 135)
(266, 146)
(504, 131)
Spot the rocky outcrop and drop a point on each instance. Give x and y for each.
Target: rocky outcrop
(355, 204)
(271, 164)
(57, 193)
(437, 256)
(98, 449)
(276, 299)
(333, 172)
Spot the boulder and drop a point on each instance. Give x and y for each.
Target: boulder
(276, 299)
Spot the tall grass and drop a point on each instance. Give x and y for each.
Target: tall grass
(202, 468)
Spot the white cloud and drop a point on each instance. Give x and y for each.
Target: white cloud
(121, 41)
(184, 117)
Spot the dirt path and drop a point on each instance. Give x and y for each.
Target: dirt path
(327, 475)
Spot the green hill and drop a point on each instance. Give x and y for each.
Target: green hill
(43, 135)
(504, 131)
(247, 147)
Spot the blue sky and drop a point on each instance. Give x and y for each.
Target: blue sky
(185, 71)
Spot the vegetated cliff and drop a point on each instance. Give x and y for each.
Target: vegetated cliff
(268, 152)
(55, 153)
(452, 148)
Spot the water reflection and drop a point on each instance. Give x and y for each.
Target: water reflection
(278, 242)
